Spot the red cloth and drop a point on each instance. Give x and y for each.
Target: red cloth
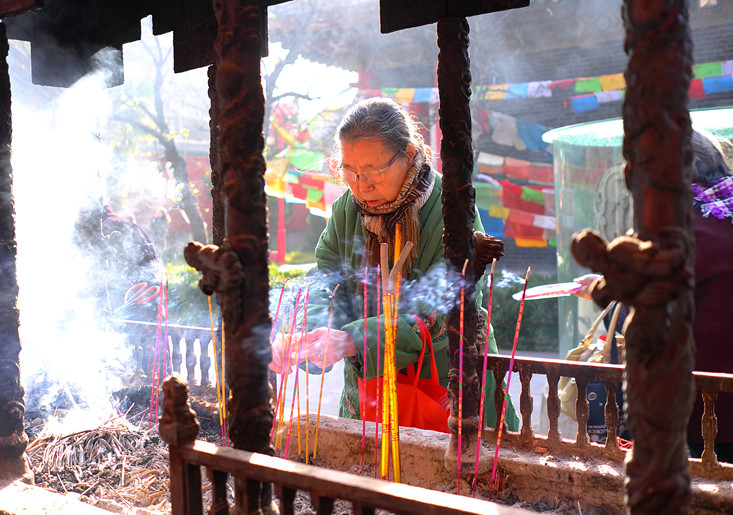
(713, 307)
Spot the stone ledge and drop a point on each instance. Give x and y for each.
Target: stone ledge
(532, 476)
(18, 498)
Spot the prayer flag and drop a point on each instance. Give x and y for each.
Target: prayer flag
(405, 95)
(422, 95)
(592, 85)
(705, 70)
(612, 82)
(585, 103)
(697, 89)
(717, 84)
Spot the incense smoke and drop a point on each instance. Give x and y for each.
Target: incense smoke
(71, 357)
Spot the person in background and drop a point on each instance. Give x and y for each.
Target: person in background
(712, 188)
(387, 167)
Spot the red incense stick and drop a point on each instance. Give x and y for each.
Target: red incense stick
(508, 380)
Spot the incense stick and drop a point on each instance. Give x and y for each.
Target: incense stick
(378, 413)
(286, 373)
(386, 401)
(224, 380)
(460, 371)
(307, 375)
(216, 368)
(323, 371)
(506, 393)
(483, 375)
(362, 399)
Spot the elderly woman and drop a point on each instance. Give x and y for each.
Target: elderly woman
(387, 167)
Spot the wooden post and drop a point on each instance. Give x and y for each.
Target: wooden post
(245, 307)
(659, 345)
(653, 270)
(13, 440)
(458, 195)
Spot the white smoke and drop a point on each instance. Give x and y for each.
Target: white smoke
(68, 351)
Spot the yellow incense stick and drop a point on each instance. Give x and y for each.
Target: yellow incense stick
(323, 371)
(224, 379)
(216, 365)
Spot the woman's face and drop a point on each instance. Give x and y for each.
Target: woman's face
(369, 155)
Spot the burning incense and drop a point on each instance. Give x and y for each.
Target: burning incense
(460, 370)
(362, 401)
(225, 441)
(388, 337)
(292, 403)
(307, 375)
(277, 311)
(378, 414)
(508, 380)
(323, 371)
(483, 375)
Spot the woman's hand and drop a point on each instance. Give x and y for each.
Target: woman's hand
(332, 347)
(587, 281)
(282, 344)
(317, 345)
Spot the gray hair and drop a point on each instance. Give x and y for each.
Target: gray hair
(382, 119)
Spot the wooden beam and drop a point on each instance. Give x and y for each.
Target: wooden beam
(397, 15)
(13, 7)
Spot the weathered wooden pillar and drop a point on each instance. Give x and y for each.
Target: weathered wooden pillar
(653, 271)
(245, 307)
(458, 196)
(659, 348)
(13, 440)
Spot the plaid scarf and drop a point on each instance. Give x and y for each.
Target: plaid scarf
(380, 222)
(715, 198)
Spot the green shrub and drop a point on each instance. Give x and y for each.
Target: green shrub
(539, 326)
(187, 304)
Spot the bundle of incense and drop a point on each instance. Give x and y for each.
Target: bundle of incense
(483, 375)
(323, 371)
(460, 370)
(389, 404)
(508, 380)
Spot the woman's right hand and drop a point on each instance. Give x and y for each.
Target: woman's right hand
(321, 346)
(587, 281)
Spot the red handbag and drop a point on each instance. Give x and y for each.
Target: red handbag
(421, 403)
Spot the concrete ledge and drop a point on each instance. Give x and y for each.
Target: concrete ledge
(18, 498)
(530, 476)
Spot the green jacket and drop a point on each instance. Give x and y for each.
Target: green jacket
(338, 258)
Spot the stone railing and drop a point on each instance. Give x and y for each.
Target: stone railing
(708, 385)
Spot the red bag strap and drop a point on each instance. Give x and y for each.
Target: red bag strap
(427, 341)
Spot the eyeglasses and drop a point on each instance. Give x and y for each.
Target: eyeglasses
(372, 177)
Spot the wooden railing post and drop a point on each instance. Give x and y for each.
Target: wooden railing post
(178, 426)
